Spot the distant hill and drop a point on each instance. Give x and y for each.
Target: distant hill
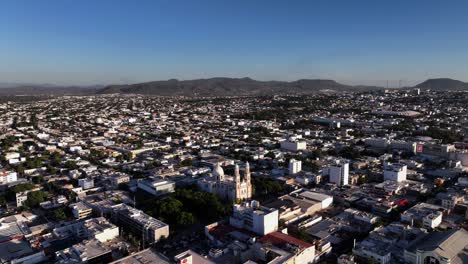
(230, 86)
(47, 90)
(443, 84)
(214, 87)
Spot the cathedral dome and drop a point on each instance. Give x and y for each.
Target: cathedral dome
(218, 172)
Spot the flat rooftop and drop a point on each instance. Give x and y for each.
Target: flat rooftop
(13, 249)
(146, 256)
(314, 196)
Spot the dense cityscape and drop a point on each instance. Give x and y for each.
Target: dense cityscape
(377, 176)
(233, 132)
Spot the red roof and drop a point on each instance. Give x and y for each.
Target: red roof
(280, 239)
(220, 231)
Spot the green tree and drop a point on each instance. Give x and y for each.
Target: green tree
(35, 198)
(38, 179)
(60, 214)
(186, 218)
(23, 187)
(71, 165)
(55, 158)
(185, 162)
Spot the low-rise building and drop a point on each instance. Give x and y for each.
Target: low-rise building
(88, 251)
(145, 256)
(439, 248)
(156, 187)
(427, 215)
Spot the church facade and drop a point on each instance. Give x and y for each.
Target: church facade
(231, 188)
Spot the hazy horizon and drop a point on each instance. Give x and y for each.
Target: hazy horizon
(380, 83)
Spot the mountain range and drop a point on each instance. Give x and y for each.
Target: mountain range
(230, 86)
(219, 87)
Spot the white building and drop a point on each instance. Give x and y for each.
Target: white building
(156, 187)
(339, 172)
(86, 183)
(293, 144)
(395, 172)
(101, 229)
(21, 197)
(427, 215)
(95, 228)
(324, 200)
(295, 166)
(432, 220)
(253, 217)
(8, 176)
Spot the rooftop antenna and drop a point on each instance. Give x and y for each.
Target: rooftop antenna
(399, 84)
(387, 84)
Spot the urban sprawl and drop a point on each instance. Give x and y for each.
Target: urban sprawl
(349, 177)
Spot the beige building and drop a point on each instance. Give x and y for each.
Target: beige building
(150, 229)
(81, 210)
(230, 188)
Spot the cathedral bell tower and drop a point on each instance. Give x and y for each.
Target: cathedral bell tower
(247, 179)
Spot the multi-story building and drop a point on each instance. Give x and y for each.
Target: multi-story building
(295, 166)
(95, 228)
(253, 217)
(21, 197)
(339, 172)
(8, 176)
(293, 145)
(119, 179)
(395, 172)
(86, 183)
(427, 215)
(81, 210)
(449, 200)
(403, 145)
(150, 229)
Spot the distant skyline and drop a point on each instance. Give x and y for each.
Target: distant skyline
(367, 42)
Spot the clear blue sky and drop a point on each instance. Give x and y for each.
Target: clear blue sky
(116, 41)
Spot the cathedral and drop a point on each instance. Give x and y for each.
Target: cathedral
(228, 187)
